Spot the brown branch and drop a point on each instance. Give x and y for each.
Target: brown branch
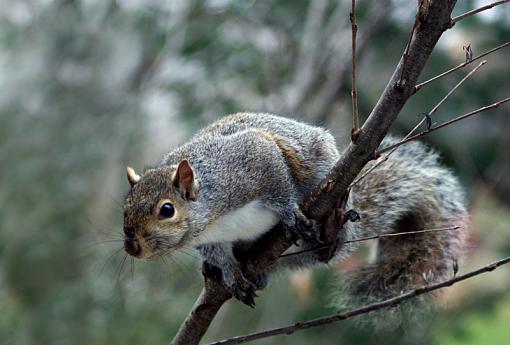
(432, 23)
(211, 299)
(368, 238)
(354, 92)
(483, 8)
(391, 302)
(447, 123)
(464, 64)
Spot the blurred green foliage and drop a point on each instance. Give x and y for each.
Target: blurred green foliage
(90, 86)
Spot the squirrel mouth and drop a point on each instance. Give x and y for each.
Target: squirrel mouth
(132, 247)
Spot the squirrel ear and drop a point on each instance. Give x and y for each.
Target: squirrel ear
(132, 176)
(184, 179)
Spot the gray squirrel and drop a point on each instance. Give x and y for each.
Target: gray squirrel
(240, 176)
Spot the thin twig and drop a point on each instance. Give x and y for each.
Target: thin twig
(434, 109)
(396, 234)
(419, 86)
(391, 302)
(361, 239)
(446, 97)
(447, 123)
(354, 92)
(472, 12)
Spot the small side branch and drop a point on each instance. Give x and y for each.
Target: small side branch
(375, 237)
(354, 92)
(464, 64)
(447, 123)
(447, 96)
(483, 8)
(391, 302)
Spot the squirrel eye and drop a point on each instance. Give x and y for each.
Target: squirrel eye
(167, 210)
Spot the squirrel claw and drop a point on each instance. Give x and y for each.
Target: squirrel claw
(231, 276)
(244, 290)
(240, 287)
(306, 229)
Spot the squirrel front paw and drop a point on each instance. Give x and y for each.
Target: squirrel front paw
(244, 290)
(306, 229)
(234, 281)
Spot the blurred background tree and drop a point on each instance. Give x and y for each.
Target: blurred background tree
(90, 86)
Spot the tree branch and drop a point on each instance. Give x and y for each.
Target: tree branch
(483, 8)
(447, 123)
(454, 89)
(433, 110)
(420, 85)
(391, 302)
(197, 322)
(433, 20)
(354, 90)
(375, 237)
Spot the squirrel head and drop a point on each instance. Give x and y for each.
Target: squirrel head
(156, 209)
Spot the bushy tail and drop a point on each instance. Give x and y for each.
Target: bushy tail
(410, 191)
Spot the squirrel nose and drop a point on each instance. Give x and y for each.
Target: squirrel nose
(132, 247)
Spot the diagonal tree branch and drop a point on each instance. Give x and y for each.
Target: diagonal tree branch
(368, 238)
(432, 20)
(202, 313)
(391, 302)
(420, 85)
(444, 124)
(475, 11)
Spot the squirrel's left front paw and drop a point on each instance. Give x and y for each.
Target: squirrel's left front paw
(306, 229)
(234, 281)
(240, 287)
(244, 290)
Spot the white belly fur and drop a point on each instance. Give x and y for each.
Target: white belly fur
(245, 223)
